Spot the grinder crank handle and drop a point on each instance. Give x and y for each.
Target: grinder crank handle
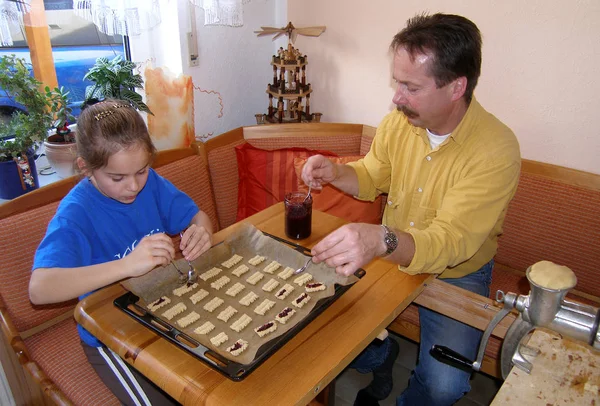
(452, 358)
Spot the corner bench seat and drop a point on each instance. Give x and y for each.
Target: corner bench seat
(57, 352)
(45, 338)
(554, 216)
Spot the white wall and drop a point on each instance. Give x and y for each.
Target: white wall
(539, 74)
(234, 64)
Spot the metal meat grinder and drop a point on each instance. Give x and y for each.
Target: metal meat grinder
(543, 307)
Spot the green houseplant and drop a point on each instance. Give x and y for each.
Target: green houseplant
(25, 131)
(60, 147)
(115, 79)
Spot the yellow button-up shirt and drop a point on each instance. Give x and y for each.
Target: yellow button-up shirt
(452, 199)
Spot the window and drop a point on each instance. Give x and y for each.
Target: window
(76, 43)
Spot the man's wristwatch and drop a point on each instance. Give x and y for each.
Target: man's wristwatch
(390, 240)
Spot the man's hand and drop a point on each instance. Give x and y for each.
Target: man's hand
(350, 247)
(318, 171)
(195, 241)
(150, 252)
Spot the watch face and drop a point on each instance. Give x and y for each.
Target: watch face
(391, 241)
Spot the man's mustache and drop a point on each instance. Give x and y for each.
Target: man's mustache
(407, 112)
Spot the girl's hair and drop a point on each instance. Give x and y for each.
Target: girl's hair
(106, 128)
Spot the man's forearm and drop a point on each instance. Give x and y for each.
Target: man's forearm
(346, 179)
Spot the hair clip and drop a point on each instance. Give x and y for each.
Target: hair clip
(107, 113)
(103, 114)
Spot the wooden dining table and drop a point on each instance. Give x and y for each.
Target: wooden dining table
(294, 374)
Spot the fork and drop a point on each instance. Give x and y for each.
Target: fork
(303, 268)
(192, 276)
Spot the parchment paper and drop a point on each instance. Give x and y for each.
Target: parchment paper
(247, 242)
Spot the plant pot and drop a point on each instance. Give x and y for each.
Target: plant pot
(11, 183)
(61, 156)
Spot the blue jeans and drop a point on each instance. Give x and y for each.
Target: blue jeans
(433, 383)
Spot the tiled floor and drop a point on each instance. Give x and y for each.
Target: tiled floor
(483, 390)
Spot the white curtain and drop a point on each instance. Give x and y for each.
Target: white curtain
(222, 12)
(125, 17)
(11, 14)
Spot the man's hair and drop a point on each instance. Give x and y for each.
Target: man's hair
(452, 40)
(107, 127)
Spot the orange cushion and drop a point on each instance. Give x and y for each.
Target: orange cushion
(266, 176)
(335, 202)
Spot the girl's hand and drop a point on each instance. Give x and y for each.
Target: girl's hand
(152, 251)
(195, 241)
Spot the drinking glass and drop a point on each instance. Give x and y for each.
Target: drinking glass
(298, 215)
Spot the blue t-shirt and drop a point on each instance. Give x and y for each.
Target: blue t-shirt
(90, 228)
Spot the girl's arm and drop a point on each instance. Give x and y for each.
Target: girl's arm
(52, 285)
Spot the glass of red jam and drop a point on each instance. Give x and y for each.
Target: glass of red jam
(298, 215)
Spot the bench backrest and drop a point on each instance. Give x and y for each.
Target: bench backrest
(341, 139)
(554, 216)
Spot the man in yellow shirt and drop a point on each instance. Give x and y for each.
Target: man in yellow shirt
(449, 169)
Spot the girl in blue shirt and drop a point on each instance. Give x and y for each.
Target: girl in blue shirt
(113, 225)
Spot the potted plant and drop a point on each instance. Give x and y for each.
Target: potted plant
(24, 132)
(115, 79)
(60, 147)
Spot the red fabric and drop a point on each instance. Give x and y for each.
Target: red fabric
(266, 176)
(337, 203)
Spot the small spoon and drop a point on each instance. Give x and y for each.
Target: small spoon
(308, 194)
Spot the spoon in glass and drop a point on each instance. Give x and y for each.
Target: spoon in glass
(307, 195)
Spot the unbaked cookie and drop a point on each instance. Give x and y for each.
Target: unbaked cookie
(158, 303)
(219, 283)
(284, 315)
(226, 314)
(219, 339)
(198, 296)
(232, 261)
(301, 300)
(249, 298)
(213, 304)
(174, 311)
(241, 323)
(189, 319)
(240, 270)
(284, 291)
(235, 289)
(269, 286)
(314, 287)
(205, 328)
(253, 280)
(266, 328)
(182, 290)
(264, 307)
(238, 347)
(302, 279)
(272, 267)
(211, 273)
(256, 260)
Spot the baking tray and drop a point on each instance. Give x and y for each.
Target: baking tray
(231, 369)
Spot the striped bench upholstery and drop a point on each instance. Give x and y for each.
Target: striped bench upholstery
(53, 355)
